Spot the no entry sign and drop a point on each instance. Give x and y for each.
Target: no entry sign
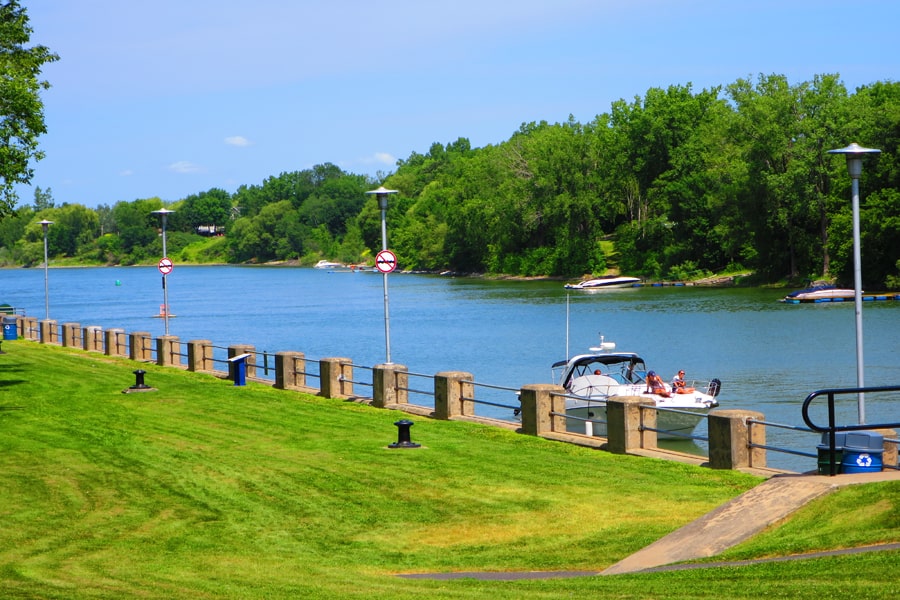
(165, 265)
(385, 261)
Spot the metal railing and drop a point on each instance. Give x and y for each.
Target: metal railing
(482, 402)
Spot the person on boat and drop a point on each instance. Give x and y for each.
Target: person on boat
(656, 386)
(678, 385)
(598, 372)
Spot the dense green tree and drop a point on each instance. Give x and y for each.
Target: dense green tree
(21, 107)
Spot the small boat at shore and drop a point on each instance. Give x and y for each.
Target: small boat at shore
(819, 293)
(327, 264)
(591, 379)
(605, 282)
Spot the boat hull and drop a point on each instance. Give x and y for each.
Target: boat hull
(590, 419)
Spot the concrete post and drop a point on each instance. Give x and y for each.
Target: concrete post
(335, 375)
(538, 403)
(71, 335)
(29, 328)
(139, 348)
(250, 364)
(199, 356)
(389, 383)
(889, 457)
(48, 332)
(450, 389)
(92, 338)
(624, 419)
(730, 436)
(290, 370)
(116, 344)
(168, 351)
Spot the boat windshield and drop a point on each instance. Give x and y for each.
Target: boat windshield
(623, 368)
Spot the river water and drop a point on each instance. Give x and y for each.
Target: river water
(769, 355)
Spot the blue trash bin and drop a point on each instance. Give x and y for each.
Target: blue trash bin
(10, 328)
(238, 368)
(863, 452)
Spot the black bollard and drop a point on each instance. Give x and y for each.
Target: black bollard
(139, 380)
(403, 439)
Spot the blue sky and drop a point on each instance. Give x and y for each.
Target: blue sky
(174, 97)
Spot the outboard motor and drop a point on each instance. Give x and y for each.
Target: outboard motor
(715, 386)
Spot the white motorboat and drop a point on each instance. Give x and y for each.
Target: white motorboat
(819, 293)
(591, 379)
(326, 264)
(604, 283)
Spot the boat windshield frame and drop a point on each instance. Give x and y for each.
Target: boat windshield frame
(624, 367)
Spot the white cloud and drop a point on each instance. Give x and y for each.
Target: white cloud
(126, 173)
(183, 166)
(380, 158)
(238, 140)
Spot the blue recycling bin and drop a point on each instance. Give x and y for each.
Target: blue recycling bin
(10, 328)
(237, 367)
(863, 452)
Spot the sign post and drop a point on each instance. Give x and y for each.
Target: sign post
(385, 262)
(165, 267)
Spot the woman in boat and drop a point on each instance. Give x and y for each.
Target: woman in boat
(656, 386)
(678, 385)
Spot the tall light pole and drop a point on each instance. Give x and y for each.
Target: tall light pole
(163, 213)
(855, 153)
(382, 194)
(46, 224)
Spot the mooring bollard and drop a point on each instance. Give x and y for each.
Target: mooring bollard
(403, 439)
(139, 380)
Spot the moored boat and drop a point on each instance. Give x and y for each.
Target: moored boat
(819, 293)
(591, 379)
(605, 282)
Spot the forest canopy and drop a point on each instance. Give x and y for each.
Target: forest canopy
(675, 184)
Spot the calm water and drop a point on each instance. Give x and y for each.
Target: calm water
(768, 355)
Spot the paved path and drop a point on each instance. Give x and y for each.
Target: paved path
(724, 527)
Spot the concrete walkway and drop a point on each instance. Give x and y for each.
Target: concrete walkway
(740, 519)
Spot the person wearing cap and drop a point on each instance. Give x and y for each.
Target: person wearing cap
(656, 386)
(678, 384)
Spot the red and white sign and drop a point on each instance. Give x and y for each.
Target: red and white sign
(165, 265)
(385, 261)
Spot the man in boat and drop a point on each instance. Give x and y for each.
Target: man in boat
(678, 384)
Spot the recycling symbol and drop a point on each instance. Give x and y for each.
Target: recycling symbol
(864, 460)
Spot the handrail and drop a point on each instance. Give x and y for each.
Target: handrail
(832, 428)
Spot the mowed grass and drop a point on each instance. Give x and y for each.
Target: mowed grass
(201, 489)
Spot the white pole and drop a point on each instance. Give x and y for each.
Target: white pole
(857, 295)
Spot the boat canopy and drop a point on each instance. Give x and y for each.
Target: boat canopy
(625, 367)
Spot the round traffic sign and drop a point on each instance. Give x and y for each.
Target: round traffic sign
(385, 261)
(165, 265)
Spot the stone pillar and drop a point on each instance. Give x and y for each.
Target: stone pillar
(28, 328)
(389, 385)
(48, 332)
(199, 356)
(542, 409)
(290, 370)
(730, 436)
(450, 387)
(625, 416)
(71, 335)
(92, 338)
(116, 343)
(168, 350)
(889, 457)
(250, 363)
(139, 348)
(336, 375)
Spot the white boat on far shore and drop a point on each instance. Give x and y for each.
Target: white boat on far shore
(605, 282)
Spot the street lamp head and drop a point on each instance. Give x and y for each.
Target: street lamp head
(45, 223)
(382, 194)
(854, 153)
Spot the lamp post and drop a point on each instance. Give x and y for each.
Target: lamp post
(382, 194)
(46, 224)
(854, 154)
(163, 213)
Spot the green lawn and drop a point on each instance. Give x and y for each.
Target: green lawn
(201, 489)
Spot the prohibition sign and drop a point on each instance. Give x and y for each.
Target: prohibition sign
(165, 265)
(385, 261)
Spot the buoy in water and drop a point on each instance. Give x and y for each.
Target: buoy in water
(118, 282)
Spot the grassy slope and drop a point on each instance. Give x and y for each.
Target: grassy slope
(202, 489)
